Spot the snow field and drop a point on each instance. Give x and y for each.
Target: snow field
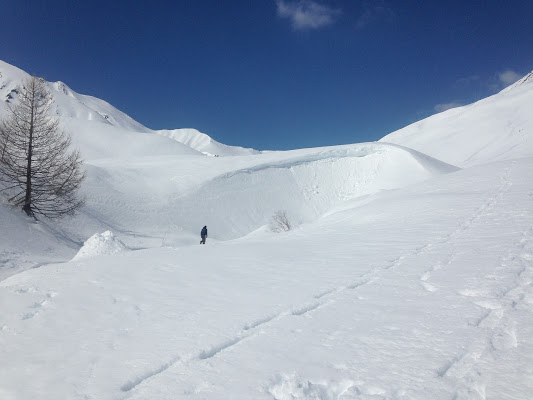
(358, 305)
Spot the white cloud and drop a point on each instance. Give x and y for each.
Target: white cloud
(508, 77)
(466, 81)
(446, 106)
(307, 14)
(379, 11)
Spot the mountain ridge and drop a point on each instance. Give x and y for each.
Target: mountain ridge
(68, 104)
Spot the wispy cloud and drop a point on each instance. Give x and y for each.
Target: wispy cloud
(446, 106)
(503, 79)
(307, 14)
(480, 86)
(508, 77)
(466, 81)
(374, 11)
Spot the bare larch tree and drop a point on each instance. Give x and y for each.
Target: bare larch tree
(38, 170)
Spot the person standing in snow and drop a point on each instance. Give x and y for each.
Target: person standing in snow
(203, 235)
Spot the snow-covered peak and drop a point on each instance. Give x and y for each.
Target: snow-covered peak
(76, 110)
(66, 102)
(9, 73)
(62, 87)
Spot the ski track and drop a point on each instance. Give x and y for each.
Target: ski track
(37, 307)
(499, 328)
(143, 377)
(498, 193)
(458, 366)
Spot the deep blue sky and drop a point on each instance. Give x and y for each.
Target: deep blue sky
(274, 74)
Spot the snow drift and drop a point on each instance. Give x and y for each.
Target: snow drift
(100, 244)
(161, 198)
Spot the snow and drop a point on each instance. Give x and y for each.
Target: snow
(101, 244)
(499, 127)
(408, 276)
(203, 143)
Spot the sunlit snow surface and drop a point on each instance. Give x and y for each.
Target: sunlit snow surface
(405, 277)
(418, 293)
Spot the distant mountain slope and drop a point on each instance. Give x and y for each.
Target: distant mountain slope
(204, 143)
(76, 110)
(499, 127)
(66, 102)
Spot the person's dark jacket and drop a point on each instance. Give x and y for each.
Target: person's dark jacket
(204, 231)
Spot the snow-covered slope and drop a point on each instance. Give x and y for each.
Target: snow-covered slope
(66, 102)
(203, 143)
(98, 141)
(499, 127)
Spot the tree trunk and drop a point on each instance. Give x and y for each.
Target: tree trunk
(27, 199)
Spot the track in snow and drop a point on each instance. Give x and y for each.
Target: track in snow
(325, 298)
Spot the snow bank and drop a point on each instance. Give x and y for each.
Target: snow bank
(101, 244)
(153, 199)
(307, 184)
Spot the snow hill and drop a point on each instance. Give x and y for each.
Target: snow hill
(409, 274)
(496, 128)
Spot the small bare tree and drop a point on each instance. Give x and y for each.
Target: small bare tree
(37, 169)
(280, 222)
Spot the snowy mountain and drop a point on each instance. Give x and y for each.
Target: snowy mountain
(67, 103)
(87, 113)
(164, 186)
(408, 275)
(499, 127)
